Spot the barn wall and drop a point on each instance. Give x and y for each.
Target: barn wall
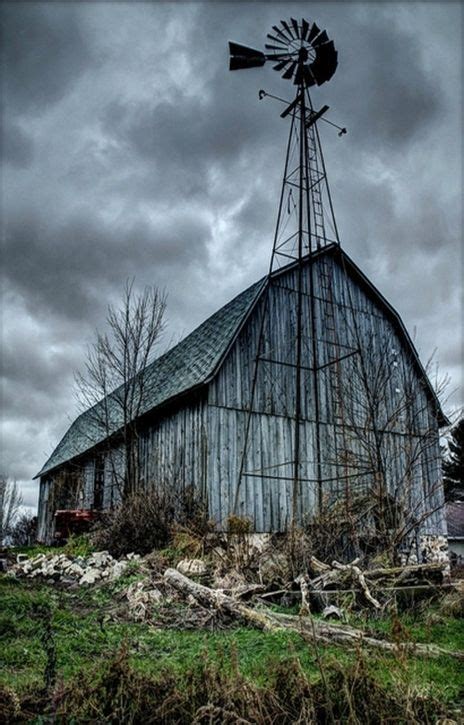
(173, 451)
(346, 320)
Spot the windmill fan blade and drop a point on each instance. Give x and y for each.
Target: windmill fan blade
(313, 32)
(279, 32)
(290, 71)
(275, 39)
(295, 27)
(304, 28)
(299, 75)
(325, 63)
(308, 77)
(287, 28)
(322, 38)
(281, 65)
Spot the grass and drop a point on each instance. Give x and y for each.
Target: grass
(84, 635)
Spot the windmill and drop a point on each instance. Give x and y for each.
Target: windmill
(304, 55)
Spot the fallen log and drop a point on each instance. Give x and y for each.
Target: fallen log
(403, 572)
(308, 627)
(362, 581)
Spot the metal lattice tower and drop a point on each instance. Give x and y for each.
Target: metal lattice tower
(305, 225)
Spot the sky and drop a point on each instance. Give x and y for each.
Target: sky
(130, 151)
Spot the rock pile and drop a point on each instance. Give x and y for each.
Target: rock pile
(73, 569)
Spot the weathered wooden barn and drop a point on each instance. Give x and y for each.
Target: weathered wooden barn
(203, 426)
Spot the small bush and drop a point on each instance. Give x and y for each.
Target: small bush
(452, 605)
(78, 546)
(145, 521)
(239, 525)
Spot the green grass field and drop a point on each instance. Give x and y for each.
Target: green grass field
(85, 637)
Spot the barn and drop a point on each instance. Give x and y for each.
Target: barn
(217, 421)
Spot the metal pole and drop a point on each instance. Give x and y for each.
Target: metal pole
(302, 189)
(314, 346)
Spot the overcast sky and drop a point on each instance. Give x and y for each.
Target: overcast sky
(129, 149)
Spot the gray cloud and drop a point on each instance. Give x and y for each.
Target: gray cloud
(44, 53)
(17, 146)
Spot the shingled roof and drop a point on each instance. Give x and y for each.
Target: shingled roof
(195, 360)
(188, 364)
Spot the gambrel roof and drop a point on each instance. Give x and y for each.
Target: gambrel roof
(196, 359)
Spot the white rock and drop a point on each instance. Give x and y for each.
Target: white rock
(141, 600)
(100, 559)
(20, 558)
(191, 567)
(75, 570)
(118, 569)
(90, 576)
(133, 557)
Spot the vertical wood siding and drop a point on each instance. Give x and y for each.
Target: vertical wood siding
(352, 320)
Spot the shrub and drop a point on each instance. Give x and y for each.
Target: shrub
(144, 521)
(24, 530)
(78, 546)
(216, 692)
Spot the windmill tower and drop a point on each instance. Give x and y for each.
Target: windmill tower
(305, 225)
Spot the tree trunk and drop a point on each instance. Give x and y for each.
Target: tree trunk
(308, 627)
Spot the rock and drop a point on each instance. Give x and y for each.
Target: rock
(75, 570)
(100, 559)
(191, 567)
(118, 569)
(332, 612)
(90, 576)
(20, 558)
(141, 599)
(133, 557)
(37, 561)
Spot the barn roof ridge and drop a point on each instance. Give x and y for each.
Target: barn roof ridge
(196, 359)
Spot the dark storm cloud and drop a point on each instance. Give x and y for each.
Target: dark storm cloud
(132, 151)
(71, 264)
(389, 91)
(44, 53)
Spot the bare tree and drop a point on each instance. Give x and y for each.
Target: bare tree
(112, 388)
(386, 453)
(10, 504)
